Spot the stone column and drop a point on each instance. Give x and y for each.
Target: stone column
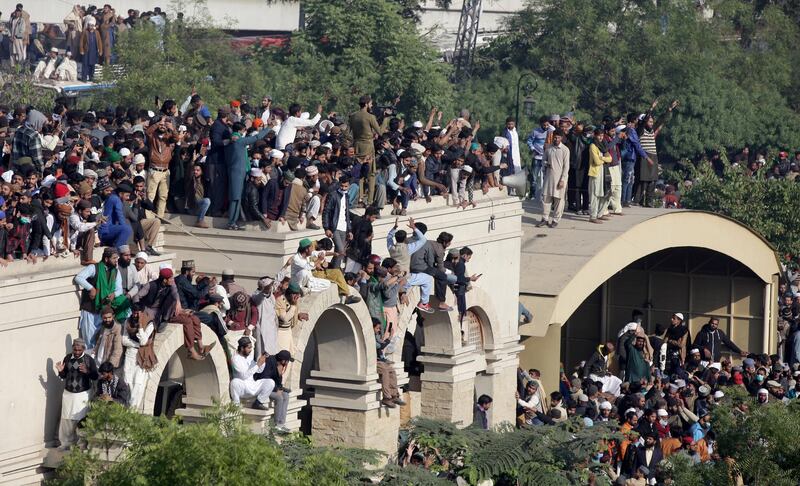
(499, 381)
(346, 411)
(448, 384)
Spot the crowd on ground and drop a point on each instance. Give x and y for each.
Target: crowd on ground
(659, 389)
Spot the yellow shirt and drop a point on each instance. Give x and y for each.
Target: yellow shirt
(596, 161)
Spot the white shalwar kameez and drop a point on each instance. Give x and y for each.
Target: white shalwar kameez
(243, 385)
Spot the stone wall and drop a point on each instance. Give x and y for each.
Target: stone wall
(449, 401)
(371, 429)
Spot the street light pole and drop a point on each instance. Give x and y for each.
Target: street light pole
(530, 87)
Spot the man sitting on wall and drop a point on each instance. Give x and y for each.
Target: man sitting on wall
(244, 367)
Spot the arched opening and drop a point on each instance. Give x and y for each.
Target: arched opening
(336, 347)
(179, 385)
(697, 282)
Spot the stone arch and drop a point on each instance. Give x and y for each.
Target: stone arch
(344, 337)
(443, 330)
(676, 229)
(204, 380)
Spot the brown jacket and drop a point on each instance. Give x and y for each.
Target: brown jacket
(111, 340)
(85, 42)
(161, 148)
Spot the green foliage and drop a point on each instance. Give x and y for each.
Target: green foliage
(766, 205)
(760, 445)
(538, 455)
(168, 63)
(219, 451)
(732, 72)
(355, 47)
(491, 98)
(19, 90)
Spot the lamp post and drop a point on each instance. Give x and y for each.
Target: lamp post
(529, 87)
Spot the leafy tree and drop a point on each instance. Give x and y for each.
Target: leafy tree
(19, 89)
(766, 205)
(222, 450)
(355, 47)
(731, 67)
(759, 444)
(491, 99)
(557, 455)
(167, 63)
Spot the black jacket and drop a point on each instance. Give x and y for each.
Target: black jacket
(711, 341)
(251, 202)
(271, 372)
(330, 215)
(189, 293)
(641, 459)
(596, 365)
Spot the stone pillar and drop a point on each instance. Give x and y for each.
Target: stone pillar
(346, 411)
(544, 354)
(448, 384)
(499, 381)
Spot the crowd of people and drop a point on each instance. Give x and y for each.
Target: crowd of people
(89, 39)
(659, 390)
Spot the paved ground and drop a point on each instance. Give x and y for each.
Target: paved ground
(551, 256)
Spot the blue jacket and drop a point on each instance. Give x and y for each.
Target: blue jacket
(633, 147)
(220, 132)
(238, 163)
(113, 212)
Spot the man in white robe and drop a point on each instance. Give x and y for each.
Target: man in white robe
(243, 385)
(267, 328)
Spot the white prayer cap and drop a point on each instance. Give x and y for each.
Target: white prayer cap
(417, 124)
(54, 49)
(418, 147)
(678, 315)
(325, 125)
(138, 159)
(467, 169)
(694, 351)
(501, 142)
(605, 406)
(91, 21)
(327, 145)
(124, 151)
(256, 172)
(632, 409)
(275, 154)
(716, 366)
(314, 144)
(763, 391)
(662, 413)
(142, 255)
(719, 394)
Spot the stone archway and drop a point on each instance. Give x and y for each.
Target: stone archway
(204, 381)
(455, 371)
(345, 404)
